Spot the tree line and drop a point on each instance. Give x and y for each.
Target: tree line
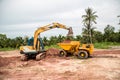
(109, 35)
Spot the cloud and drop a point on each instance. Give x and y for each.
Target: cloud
(23, 11)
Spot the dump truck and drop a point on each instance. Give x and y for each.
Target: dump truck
(73, 47)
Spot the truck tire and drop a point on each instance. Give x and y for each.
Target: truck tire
(62, 53)
(24, 57)
(83, 54)
(40, 56)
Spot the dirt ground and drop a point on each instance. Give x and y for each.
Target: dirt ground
(103, 65)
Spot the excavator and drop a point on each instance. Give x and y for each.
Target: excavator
(35, 48)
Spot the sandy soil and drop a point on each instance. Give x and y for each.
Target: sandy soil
(103, 65)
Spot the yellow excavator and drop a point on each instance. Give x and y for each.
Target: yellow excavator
(35, 47)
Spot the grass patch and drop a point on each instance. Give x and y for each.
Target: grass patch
(52, 46)
(101, 45)
(7, 49)
(105, 45)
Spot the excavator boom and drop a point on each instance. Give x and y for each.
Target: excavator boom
(48, 27)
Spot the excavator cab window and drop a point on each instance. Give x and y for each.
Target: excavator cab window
(30, 41)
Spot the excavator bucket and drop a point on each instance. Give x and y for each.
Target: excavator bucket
(70, 32)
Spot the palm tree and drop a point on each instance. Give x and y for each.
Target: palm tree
(88, 19)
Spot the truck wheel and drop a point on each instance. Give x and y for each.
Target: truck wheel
(24, 57)
(83, 55)
(40, 56)
(62, 53)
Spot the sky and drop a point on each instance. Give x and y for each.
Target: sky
(23, 17)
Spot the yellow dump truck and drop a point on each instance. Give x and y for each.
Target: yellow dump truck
(74, 48)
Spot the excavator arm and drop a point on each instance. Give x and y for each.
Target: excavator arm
(48, 27)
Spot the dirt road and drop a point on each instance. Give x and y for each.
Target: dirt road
(103, 65)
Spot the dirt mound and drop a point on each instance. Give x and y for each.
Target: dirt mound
(3, 61)
(66, 41)
(52, 52)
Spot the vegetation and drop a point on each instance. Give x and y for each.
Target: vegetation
(52, 46)
(105, 45)
(100, 40)
(7, 49)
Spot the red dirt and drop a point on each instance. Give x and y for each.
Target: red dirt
(103, 65)
(2, 61)
(52, 52)
(66, 41)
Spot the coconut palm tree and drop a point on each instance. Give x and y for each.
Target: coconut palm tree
(88, 19)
